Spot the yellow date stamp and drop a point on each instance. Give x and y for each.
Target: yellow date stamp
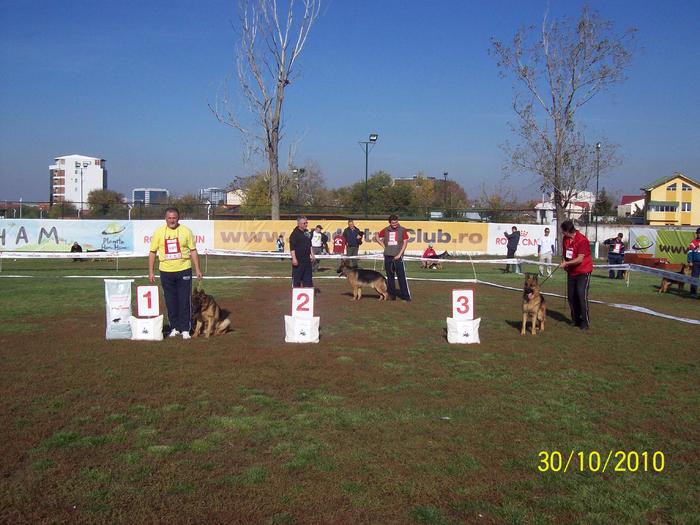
(606, 461)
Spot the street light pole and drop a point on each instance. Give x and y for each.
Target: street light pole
(81, 165)
(298, 172)
(597, 176)
(444, 191)
(365, 146)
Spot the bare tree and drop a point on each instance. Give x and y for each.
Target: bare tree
(558, 68)
(271, 42)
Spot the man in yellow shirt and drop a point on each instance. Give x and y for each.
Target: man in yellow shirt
(177, 252)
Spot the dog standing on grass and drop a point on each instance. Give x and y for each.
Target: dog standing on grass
(357, 277)
(533, 305)
(666, 282)
(206, 315)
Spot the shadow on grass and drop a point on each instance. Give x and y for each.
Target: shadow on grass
(551, 314)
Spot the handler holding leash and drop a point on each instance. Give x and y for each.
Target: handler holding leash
(177, 252)
(578, 264)
(394, 240)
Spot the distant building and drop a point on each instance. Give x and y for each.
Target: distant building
(413, 181)
(235, 197)
(213, 195)
(579, 207)
(73, 177)
(673, 200)
(630, 205)
(148, 196)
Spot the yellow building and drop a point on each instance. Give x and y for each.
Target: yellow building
(673, 200)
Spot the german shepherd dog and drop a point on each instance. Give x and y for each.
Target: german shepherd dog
(666, 282)
(359, 278)
(533, 305)
(207, 315)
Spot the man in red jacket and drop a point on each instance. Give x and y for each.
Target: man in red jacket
(578, 264)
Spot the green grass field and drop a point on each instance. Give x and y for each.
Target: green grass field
(381, 422)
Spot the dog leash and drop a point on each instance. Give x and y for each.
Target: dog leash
(550, 275)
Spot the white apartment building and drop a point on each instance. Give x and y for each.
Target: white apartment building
(73, 177)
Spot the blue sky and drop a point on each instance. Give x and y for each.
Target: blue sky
(129, 81)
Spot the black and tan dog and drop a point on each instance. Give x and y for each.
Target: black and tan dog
(357, 277)
(533, 305)
(207, 315)
(666, 282)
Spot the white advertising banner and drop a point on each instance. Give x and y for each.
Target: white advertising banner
(529, 234)
(143, 231)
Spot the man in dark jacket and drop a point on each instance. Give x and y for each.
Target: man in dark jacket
(353, 239)
(302, 254)
(513, 240)
(616, 254)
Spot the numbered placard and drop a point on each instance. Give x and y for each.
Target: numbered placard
(147, 301)
(463, 304)
(303, 303)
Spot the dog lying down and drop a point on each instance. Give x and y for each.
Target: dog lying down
(358, 277)
(207, 316)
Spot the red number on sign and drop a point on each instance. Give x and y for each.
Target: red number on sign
(303, 301)
(147, 295)
(464, 301)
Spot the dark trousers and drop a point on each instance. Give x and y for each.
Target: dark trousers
(695, 272)
(616, 258)
(301, 275)
(396, 268)
(577, 292)
(177, 289)
(350, 251)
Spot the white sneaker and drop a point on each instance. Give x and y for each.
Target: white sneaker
(174, 333)
(186, 335)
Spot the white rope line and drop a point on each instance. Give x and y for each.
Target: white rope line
(634, 308)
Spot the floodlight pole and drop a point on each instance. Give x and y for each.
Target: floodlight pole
(444, 191)
(298, 172)
(365, 146)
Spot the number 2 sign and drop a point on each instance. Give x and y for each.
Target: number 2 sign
(147, 301)
(463, 304)
(303, 303)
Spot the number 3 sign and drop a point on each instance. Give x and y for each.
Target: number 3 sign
(303, 303)
(147, 301)
(463, 304)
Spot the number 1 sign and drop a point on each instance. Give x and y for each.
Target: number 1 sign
(303, 303)
(147, 301)
(463, 304)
